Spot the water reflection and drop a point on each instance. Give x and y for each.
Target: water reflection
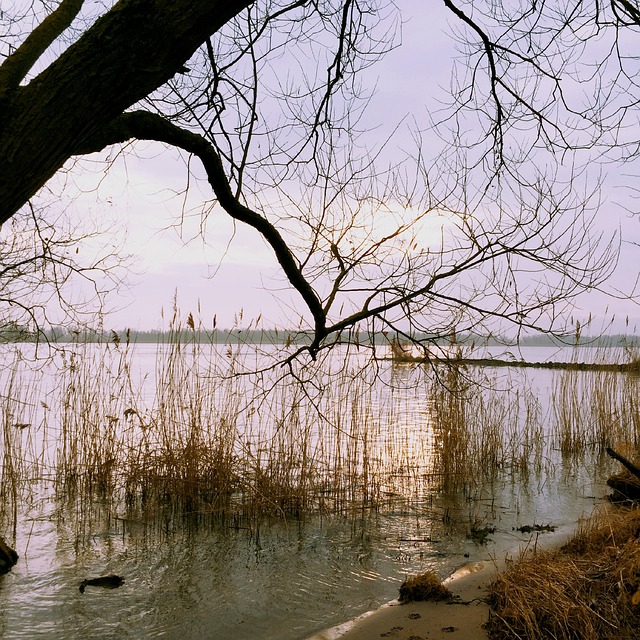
(284, 580)
(379, 505)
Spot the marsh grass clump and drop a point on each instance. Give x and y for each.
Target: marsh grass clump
(401, 352)
(423, 587)
(215, 438)
(219, 439)
(587, 590)
(483, 427)
(20, 460)
(218, 433)
(592, 410)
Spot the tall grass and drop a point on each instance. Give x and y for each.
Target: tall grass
(215, 441)
(595, 409)
(482, 430)
(215, 434)
(21, 458)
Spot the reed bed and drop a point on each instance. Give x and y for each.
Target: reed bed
(22, 461)
(594, 410)
(587, 590)
(217, 440)
(481, 432)
(214, 434)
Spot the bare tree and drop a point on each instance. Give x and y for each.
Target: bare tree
(429, 247)
(51, 273)
(559, 77)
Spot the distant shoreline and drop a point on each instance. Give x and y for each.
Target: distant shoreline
(12, 333)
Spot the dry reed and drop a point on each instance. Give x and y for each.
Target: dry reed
(588, 590)
(21, 461)
(219, 438)
(593, 410)
(482, 431)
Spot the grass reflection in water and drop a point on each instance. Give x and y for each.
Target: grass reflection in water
(133, 452)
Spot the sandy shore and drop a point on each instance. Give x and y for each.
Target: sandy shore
(462, 619)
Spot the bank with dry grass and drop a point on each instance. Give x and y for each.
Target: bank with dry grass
(589, 589)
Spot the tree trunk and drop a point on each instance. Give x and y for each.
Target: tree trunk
(626, 485)
(129, 52)
(626, 488)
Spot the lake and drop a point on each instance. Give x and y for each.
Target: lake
(344, 477)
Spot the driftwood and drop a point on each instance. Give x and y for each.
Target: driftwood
(626, 486)
(8, 557)
(629, 466)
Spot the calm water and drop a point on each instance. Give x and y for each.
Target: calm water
(283, 579)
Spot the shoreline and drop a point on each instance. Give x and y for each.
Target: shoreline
(463, 618)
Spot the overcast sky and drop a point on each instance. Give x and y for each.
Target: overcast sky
(234, 270)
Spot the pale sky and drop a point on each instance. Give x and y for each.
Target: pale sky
(235, 270)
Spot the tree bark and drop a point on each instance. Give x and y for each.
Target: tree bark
(626, 485)
(626, 488)
(129, 52)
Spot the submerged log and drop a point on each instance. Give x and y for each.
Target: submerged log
(8, 556)
(626, 485)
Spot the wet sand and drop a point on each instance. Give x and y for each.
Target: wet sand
(462, 619)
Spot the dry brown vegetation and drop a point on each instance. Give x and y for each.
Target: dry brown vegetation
(596, 409)
(587, 590)
(213, 438)
(424, 586)
(482, 431)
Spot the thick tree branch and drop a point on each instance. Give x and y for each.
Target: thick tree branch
(16, 66)
(142, 125)
(629, 9)
(133, 49)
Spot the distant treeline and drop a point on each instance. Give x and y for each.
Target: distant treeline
(546, 340)
(11, 332)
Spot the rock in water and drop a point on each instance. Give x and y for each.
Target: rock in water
(8, 557)
(107, 582)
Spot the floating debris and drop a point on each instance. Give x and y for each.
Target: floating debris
(536, 528)
(479, 534)
(107, 582)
